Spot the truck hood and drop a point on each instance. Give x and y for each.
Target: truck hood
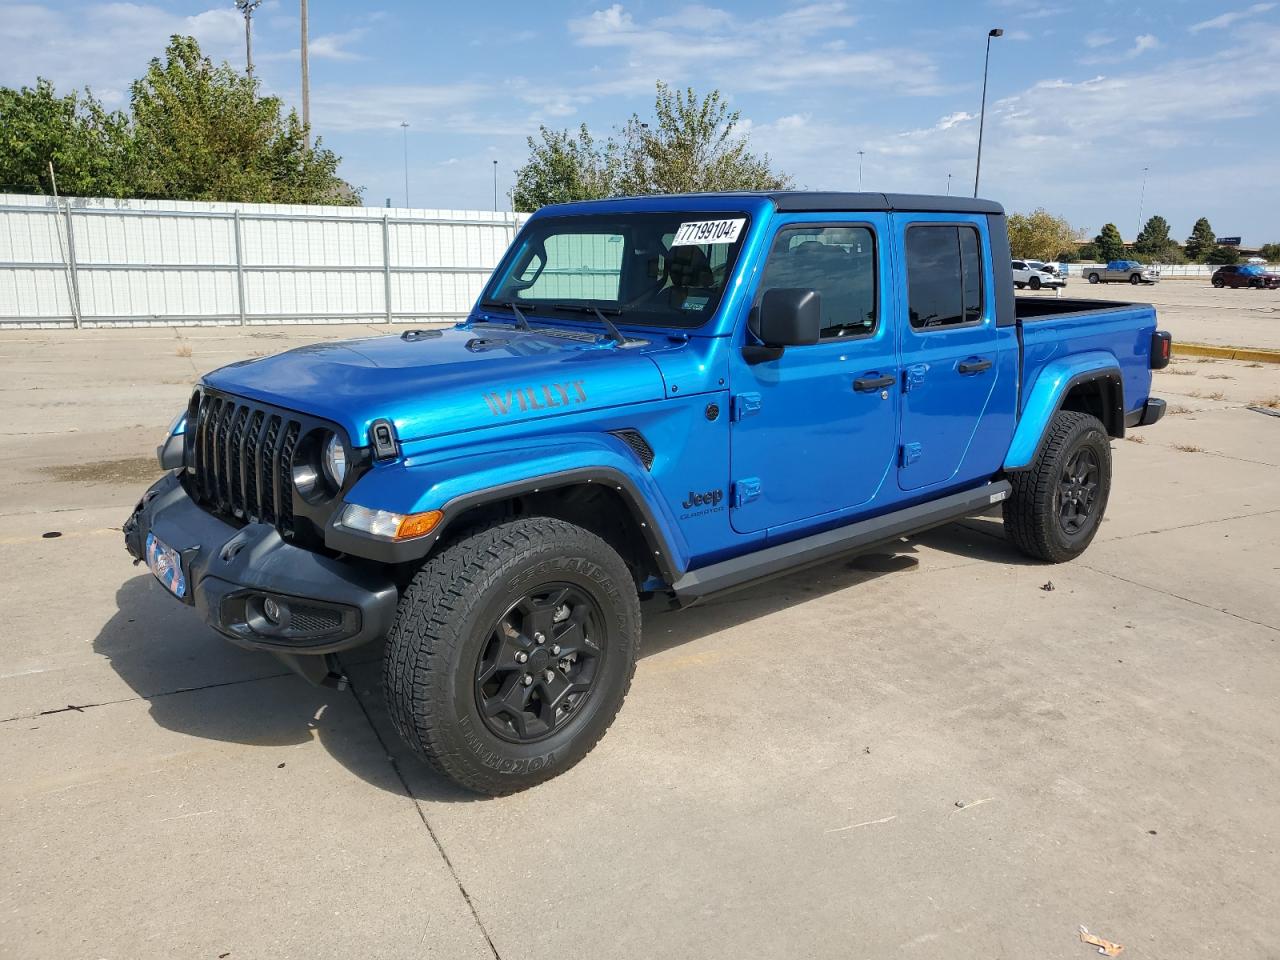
(449, 380)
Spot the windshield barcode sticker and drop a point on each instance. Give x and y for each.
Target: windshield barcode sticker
(708, 231)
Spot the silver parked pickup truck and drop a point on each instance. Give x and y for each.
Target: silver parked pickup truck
(1122, 271)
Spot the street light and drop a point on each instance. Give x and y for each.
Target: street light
(948, 184)
(982, 117)
(1142, 196)
(404, 125)
(495, 186)
(859, 169)
(247, 7)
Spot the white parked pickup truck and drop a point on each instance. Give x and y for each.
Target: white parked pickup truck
(1033, 275)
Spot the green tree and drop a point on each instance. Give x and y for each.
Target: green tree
(564, 167)
(1201, 241)
(1221, 255)
(691, 144)
(88, 145)
(1155, 244)
(1270, 252)
(1040, 235)
(205, 134)
(1109, 244)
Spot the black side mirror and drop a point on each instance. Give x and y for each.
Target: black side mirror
(786, 317)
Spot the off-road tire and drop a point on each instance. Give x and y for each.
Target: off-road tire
(1032, 514)
(444, 621)
(1094, 278)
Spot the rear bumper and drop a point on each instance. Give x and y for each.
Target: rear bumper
(323, 605)
(1145, 415)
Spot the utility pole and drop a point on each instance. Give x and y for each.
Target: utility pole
(982, 116)
(246, 7)
(495, 186)
(306, 79)
(859, 169)
(404, 125)
(1142, 196)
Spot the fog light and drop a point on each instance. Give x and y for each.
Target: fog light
(271, 610)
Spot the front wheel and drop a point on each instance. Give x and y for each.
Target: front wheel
(1219, 283)
(1058, 503)
(511, 653)
(1094, 278)
(1035, 283)
(1134, 279)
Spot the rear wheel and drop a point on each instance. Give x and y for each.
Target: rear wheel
(1094, 278)
(1058, 503)
(512, 652)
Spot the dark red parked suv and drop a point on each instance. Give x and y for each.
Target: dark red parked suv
(1258, 277)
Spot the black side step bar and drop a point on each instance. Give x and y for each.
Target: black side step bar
(771, 561)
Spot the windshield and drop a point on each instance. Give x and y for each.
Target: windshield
(660, 269)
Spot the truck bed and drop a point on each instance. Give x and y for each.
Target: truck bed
(1053, 329)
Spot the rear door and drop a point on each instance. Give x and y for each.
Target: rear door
(814, 431)
(947, 329)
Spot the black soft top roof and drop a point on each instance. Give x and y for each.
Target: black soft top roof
(806, 201)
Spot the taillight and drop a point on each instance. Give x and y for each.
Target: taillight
(1161, 349)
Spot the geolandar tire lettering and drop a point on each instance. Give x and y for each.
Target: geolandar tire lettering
(512, 651)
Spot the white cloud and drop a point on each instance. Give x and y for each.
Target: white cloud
(107, 44)
(1098, 39)
(1227, 19)
(772, 53)
(1142, 43)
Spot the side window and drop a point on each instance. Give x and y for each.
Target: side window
(839, 263)
(944, 276)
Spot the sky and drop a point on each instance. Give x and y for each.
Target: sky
(1080, 99)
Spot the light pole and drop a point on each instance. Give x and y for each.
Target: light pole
(306, 79)
(247, 7)
(948, 184)
(859, 169)
(404, 125)
(1142, 196)
(495, 186)
(982, 116)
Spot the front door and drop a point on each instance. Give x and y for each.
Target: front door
(814, 431)
(948, 336)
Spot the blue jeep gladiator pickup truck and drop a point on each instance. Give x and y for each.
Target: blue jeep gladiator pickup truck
(670, 395)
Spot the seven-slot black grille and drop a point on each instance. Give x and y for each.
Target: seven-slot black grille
(241, 457)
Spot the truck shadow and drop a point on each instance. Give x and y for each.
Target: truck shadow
(198, 684)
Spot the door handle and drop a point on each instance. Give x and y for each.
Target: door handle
(974, 365)
(867, 384)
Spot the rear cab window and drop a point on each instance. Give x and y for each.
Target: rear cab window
(944, 275)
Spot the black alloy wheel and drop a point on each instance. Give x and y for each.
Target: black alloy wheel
(540, 662)
(1078, 491)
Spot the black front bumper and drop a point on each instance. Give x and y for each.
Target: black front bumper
(322, 605)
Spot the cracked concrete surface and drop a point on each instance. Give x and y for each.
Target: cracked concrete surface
(927, 754)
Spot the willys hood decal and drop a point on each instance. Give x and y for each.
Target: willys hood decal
(443, 381)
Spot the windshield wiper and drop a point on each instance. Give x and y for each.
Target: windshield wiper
(614, 333)
(521, 320)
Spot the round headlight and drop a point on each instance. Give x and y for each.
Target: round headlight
(335, 461)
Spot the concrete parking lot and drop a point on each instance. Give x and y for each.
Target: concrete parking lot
(943, 751)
